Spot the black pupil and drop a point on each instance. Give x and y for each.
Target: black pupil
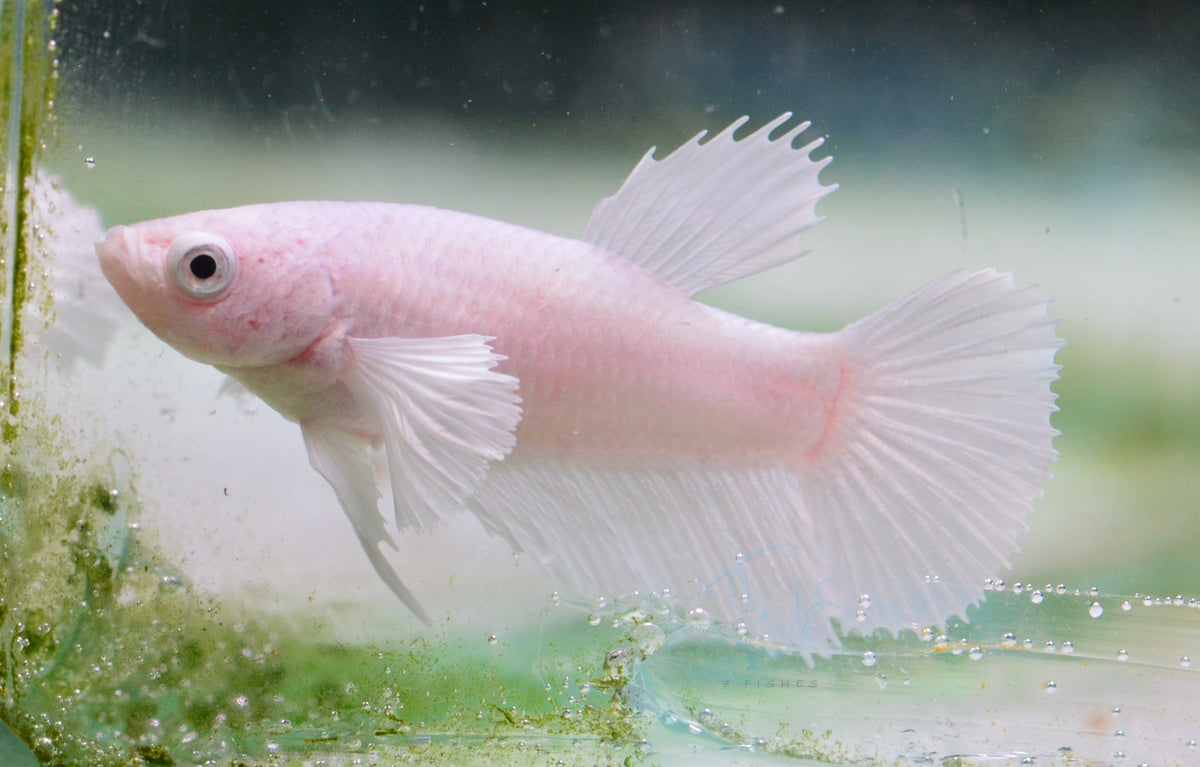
(202, 266)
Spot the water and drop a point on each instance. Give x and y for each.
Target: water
(216, 607)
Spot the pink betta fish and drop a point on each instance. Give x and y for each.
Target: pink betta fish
(573, 396)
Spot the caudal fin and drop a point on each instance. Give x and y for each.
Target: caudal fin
(937, 451)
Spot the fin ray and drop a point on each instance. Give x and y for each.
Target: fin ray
(341, 458)
(715, 211)
(614, 529)
(944, 447)
(446, 415)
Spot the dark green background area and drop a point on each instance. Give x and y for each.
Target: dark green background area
(875, 73)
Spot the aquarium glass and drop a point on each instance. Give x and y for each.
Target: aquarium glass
(177, 586)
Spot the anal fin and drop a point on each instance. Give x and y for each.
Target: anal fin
(737, 542)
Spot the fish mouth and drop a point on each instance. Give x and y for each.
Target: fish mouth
(117, 252)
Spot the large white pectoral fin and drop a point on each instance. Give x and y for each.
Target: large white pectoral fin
(444, 412)
(341, 458)
(715, 211)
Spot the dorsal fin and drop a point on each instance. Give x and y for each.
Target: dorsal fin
(715, 211)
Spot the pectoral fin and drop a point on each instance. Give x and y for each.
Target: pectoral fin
(341, 458)
(444, 413)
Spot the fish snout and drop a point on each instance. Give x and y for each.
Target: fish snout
(117, 253)
(119, 244)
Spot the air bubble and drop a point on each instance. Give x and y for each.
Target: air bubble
(1050, 687)
(1122, 655)
(89, 162)
(492, 639)
(742, 628)
(1126, 606)
(1036, 597)
(975, 653)
(1068, 646)
(1049, 646)
(1009, 639)
(698, 617)
(864, 601)
(1096, 610)
(593, 619)
(617, 664)
(868, 658)
(648, 638)
(860, 615)
(1185, 661)
(44, 748)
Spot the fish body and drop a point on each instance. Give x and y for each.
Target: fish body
(572, 394)
(611, 359)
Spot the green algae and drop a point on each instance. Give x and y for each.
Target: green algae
(109, 659)
(28, 80)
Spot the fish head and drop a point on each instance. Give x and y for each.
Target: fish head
(233, 288)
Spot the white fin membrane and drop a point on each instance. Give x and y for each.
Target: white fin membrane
(445, 412)
(714, 212)
(342, 459)
(735, 541)
(940, 450)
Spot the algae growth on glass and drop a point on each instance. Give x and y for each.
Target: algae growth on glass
(178, 587)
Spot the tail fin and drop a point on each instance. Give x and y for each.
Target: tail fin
(939, 449)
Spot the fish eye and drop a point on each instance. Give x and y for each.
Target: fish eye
(202, 264)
